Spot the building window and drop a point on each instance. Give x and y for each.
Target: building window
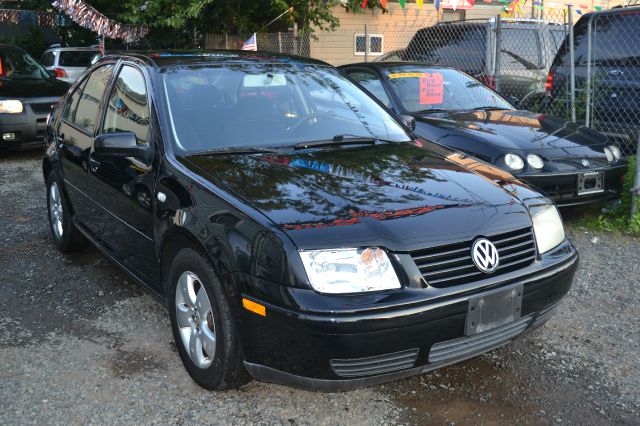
(450, 15)
(376, 44)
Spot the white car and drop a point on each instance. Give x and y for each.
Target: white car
(69, 62)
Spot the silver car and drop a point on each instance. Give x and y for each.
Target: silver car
(69, 62)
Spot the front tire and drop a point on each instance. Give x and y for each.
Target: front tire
(203, 325)
(65, 235)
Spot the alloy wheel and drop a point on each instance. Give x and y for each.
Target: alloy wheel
(195, 319)
(56, 210)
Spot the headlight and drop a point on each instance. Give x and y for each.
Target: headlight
(535, 161)
(11, 107)
(514, 161)
(547, 226)
(608, 154)
(617, 154)
(349, 270)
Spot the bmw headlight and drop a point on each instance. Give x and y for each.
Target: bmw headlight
(617, 154)
(535, 161)
(608, 154)
(514, 161)
(547, 226)
(349, 270)
(11, 106)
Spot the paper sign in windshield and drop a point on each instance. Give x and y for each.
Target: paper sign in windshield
(431, 88)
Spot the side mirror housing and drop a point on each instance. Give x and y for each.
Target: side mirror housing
(408, 121)
(120, 144)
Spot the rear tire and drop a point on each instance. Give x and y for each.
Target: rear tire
(65, 235)
(204, 328)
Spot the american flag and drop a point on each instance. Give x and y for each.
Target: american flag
(250, 44)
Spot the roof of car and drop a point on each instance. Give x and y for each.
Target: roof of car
(186, 57)
(389, 64)
(73, 49)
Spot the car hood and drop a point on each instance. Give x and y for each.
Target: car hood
(25, 89)
(399, 196)
(519, 131)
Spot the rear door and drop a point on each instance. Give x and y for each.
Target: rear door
(74, 136)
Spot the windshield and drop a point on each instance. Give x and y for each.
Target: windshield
(17, 65)
(76, 58)
(268, 105)
(423, 89)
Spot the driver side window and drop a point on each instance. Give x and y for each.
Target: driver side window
(128, 109)
(372, 83)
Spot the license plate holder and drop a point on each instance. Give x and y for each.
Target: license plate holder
(493, 310)
(590, 183)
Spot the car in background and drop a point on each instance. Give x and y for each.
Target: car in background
(569, 163)
(294, 228)
(394, 55)
(527, 48)
(615, 73)
(27, 93)
(69, 62)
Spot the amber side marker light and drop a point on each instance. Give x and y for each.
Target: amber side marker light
(254, 307)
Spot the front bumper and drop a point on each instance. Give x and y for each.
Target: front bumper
(336, 351)
(27, 127)
(562, 188)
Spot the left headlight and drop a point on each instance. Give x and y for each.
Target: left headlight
(547, 226)
(617, 154)
(349, 270)
(11, 106)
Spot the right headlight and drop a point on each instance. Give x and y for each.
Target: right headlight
(547, 227)
(514, 161)
(349, 270)
(617, 154)
(608, 154)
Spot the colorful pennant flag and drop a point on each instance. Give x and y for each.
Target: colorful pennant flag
(250, 44)
(437, 4)
(383, 3)
(364, 4)
(419, 3)
(402, 3)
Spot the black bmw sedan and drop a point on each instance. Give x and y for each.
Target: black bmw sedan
(293, 227)
(569, 163)
(27, 93)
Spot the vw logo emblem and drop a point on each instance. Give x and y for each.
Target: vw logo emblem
(585, 162)
(485, 255)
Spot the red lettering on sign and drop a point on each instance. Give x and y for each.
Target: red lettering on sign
(431, 88)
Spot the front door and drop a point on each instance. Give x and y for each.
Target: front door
(125, 186)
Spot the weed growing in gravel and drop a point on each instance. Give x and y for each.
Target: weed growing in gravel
(617, 218)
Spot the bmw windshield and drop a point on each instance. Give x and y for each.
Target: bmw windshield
(216, 107)
(422, 89)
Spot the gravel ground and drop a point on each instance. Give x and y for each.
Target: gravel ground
(80, 343)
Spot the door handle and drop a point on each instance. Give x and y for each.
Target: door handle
(60, 140)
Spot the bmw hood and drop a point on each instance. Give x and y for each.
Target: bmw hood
(397, 196)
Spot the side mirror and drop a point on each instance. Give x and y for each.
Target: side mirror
(408, 121)
(120, 144)
(52, 74)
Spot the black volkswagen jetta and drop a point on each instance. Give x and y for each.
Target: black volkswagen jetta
(569, 163)
(292, 226)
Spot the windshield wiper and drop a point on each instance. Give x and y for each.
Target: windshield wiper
(489, 108)
(339, 140)
(425, 111)
(236, 150)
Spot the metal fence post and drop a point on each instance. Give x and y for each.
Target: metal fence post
(635, 191)
(587, 114)
(572, 65)
(295, 38)
(226, 41)
(279, 42)
(496, 71)
(366, 43)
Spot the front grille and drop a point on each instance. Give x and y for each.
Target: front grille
(450, 265)
(468, 346)
(41, 108)
(379, 364)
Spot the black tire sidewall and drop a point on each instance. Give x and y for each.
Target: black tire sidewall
(220, 374)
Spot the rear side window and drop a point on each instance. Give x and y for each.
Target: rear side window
(127, 110)
(76, 59)
(459, 46)
(613, 42)
(89, 103)
(519, 50)
(70, 107)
